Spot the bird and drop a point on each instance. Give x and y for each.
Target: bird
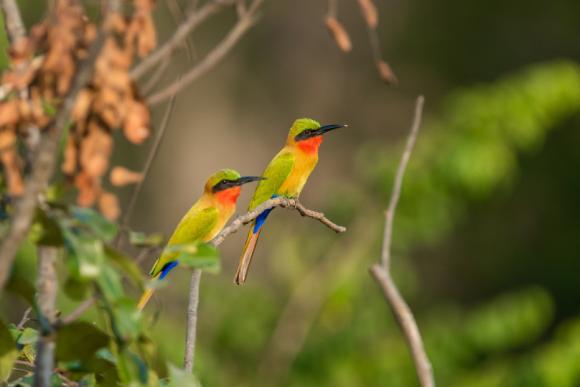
(204, 220)
(284, 176)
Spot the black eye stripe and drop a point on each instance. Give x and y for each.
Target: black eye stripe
(224, 184)
(304, 134)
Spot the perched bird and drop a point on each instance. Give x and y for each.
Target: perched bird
(203, 221)
(284, 176)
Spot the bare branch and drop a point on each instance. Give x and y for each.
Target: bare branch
(398, 182)
(193, 20)
(382, 274)
(25, 318)
(46, 298)
(241, 220)
(211, 59)
(190, 335)
(13, 21)
(78, 312)
(44, 164)
(407, 323)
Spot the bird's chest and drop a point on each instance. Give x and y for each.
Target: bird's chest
(224, 215)
(303, 167)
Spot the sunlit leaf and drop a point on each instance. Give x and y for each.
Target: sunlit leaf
(100, 226)
(126, 264)
(180, 378)
(197, 256)
(8, 352)
(140, 239)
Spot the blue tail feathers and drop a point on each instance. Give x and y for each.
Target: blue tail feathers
(262, 217)
(167, 268)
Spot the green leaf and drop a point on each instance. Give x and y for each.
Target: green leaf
(180, 378)
(50, 232)
(101, 227)
(127, 319)
(79, 341)
(197, 256)
(132, 370)
(126, 264)
(8, 352)
(27, 336)
(86, 255)
(109, 283)
(23, 276)
(77, 290)
(140, 239)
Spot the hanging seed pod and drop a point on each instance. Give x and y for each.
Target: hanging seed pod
(121, 176)
(89, 189)
(12, 166)
(338, 33)
(369, 11)
(109, 205)
(386, 73)
(136, 123)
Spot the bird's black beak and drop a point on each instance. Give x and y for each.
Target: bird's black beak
(328, 128)
(317, 132)
(248, 179)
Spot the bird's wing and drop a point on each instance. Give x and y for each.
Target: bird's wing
(193, 227)
(276, 173)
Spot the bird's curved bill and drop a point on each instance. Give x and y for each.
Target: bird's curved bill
(327, 128)
(248, 179)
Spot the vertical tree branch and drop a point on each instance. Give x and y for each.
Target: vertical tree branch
(44, 165)
(12, 20)
(382, 273)
(191, 329)
(46, 299)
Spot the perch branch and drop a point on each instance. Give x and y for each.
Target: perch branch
(44, 165)
(241, 220)
(232, 228)
(212, 58)
(13, 21)
(382, 274)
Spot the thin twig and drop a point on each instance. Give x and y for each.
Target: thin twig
(241, 220)
(211, 59)
(382, 274)
(193, 20)
(25, 318)
(332, 9)
(191, 328)
(46, 299)
(44, 164)
(12, 20)
(398, 182)
(78, 312)
(407, 323)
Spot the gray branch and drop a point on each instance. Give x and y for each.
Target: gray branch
(382, 272)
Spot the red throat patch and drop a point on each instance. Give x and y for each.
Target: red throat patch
(228, 196)
(310, 145)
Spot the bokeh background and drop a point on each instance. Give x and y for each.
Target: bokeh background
(487, 238)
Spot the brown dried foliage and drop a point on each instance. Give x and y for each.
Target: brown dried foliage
(42, 67)
(386, 73)
(122, 176)
(338, 33)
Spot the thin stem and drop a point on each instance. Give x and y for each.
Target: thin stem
(13, 21)
(382, 274)
(398, 182)
(46, 299)
(191, 330)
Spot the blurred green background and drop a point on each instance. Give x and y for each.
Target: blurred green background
(486, 241)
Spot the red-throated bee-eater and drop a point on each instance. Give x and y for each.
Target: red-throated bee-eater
(204, 220)
(284, 176)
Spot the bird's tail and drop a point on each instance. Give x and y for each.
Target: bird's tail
(147, 294)
(247, 255)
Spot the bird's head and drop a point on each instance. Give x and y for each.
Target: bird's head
(306, 134)
(226, 184)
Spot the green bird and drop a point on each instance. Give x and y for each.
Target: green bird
(204, 220)
(284, 176)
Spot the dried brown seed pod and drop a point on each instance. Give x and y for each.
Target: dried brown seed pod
(369, 11)
(136, 123)
(109, 205)
(12, 166)
(9, 112)
(95, 151)
(89, 189)
(122, 176)
(338, 33)
(386, 73)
